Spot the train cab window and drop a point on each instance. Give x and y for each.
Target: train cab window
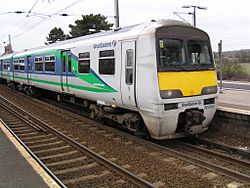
(21, 64)
(198, 53)
(49, 62)
(84, 62)
(129, 66)
(107, 62)
(38, 64)
(172, 53)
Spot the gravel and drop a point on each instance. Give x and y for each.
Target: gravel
(135, 157)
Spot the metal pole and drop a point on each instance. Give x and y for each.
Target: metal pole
(220, 57)
(194, 16)
(10, 46)
(194, 12)
(116, 14)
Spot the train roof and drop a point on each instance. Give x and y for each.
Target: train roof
(118, 33)
(6, 56)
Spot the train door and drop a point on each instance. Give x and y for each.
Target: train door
(11, 69)
(1, 68)
(128, 74)
(29, 69)
(66, 60)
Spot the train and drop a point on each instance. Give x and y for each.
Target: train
(157, 78)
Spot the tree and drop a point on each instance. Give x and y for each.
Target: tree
(89, 24)
(56, 34)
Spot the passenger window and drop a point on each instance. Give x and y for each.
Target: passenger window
(38, 64)
(84, 62)
(39, 67)
(6, 65)
(16, 65)
(129, 67)
(50, 66)
(49, 63)
(107, 62)
(63, 64)
(69, 63)
(21, 64)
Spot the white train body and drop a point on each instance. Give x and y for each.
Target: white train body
(129, 69)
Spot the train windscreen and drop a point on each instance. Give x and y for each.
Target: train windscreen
(177, 54)
(184, 53)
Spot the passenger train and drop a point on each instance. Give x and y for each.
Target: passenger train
(156, 78)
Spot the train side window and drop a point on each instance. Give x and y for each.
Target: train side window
(38, 64)
(129, 67)
(84, 62)
(69, 64)
(16, 65)
(6, 65)
(107, 62)
(21, 64)
(63, 64)
(49, 63)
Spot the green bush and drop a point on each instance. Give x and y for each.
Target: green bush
(232, 70)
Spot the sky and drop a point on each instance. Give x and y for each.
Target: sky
(226, 20)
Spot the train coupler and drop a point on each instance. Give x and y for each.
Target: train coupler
(194, 119)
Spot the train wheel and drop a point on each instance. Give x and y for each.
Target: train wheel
(93, 111)
(12, 86)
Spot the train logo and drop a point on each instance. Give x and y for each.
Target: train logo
(105, 44)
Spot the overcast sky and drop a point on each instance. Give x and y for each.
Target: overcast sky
(226, 20)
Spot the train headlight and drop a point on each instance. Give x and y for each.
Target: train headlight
(209, 90)
(170, 94)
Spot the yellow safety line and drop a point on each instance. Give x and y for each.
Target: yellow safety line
(49, 181)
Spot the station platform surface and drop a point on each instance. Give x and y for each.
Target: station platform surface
(17, 168)
(235, 99)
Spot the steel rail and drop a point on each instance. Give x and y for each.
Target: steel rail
(243, 163)
(223, 147)
(204, 164)
(156, 146)
(25, 119)
(130, 176)
(34, 156)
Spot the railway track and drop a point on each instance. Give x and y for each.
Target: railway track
(225, 164)
(213, 145)
(67, 161)
(222, 163)
(156, 159)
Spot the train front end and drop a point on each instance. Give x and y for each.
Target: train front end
(187, 83)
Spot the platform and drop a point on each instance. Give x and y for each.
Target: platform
(235, 99)
(17, 168)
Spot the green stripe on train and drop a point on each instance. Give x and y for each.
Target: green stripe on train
(60, 84)
(89, 78)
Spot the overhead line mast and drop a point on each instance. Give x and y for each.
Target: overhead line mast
(32, 8)
(116, 14)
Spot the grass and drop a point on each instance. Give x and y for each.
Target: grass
(246, 67)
